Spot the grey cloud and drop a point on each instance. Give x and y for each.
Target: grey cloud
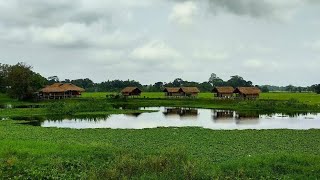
(255, 8)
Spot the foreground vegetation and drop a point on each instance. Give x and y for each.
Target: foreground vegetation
(97, 103)
(163, 153)
(29, 152)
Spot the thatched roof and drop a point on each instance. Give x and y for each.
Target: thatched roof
(129, 89)
(223, 90)
(190, 89)
(172, 89)
(181, 89)
(71, 87)
(248, 90)
(61, 87)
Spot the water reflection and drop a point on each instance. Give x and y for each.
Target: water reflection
(182, 112)
(187, 117)
(133, 114)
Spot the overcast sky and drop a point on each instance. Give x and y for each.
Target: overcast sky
(266, 41)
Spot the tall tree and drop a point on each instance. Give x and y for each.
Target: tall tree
(317, 88)
(84, 83)
(238, 81)
(4, 70)
(214, 80)
(53, 79)
(23, 82)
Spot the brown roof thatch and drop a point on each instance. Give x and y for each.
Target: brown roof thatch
(190, 89)
(172, 89)
(223, 90)
(129, 89)
(61, 87)
(248, 90)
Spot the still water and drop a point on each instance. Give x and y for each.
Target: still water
(189, 117)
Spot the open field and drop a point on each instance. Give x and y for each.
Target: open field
(165, 153)
(309, 98)
(161, 153)
(98, 103)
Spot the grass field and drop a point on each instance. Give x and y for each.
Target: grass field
(162, 153)
(309, 98)
(29, 152)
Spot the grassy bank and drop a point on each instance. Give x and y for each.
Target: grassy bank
(165, 153)
(91, 103)
(308, 98)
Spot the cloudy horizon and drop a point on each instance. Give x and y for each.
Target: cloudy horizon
(267, 42)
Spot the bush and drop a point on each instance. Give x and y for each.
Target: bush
(64, 108)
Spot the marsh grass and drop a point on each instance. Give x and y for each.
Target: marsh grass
(28, 152)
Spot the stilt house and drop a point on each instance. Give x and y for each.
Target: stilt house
(131, 91)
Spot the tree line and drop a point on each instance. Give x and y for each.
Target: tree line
(19, 81)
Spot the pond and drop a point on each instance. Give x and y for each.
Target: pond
(189, 117)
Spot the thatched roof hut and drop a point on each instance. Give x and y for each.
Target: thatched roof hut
(190, 90)
(60, 91)
(172, 89)
(172, 92)
(61, 87)
(223, 92)
(247, 92)
(131, 91)
(181, 91)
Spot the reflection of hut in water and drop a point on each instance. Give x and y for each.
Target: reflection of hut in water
(182, 112)
(247, 118)
(223, 115)
(189, 112)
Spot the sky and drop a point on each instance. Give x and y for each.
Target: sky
(267, 41)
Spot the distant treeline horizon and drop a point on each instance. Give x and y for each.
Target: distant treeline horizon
(20, 81)
(206, 86)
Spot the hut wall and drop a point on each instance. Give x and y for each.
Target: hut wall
(224, 95)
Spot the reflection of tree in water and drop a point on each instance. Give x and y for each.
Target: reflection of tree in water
(133, 114)
(182, 112)
(84, 117)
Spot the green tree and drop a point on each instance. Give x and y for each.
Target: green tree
(53, 79)
(214, 80)
(264, 89)
(238, 81)
(4, 70)
(317, 88)
(84, 83)
(23, 82)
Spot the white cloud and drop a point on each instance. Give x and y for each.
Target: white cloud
(71, 34)
(155, 50)
(315, 45)
(253, 63)
(183, 13)
(210, 55)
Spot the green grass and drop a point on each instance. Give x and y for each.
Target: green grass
(29, 152)
(308, 98)
(97, 102)
(161, 153)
